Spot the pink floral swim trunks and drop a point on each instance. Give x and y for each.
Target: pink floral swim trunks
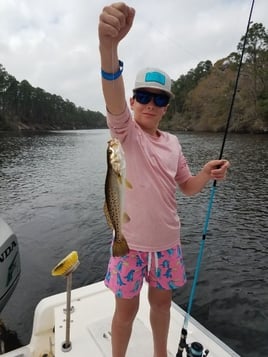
(163, 270)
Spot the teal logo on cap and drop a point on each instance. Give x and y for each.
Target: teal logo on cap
(155, 77)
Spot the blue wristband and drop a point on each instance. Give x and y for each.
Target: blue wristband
(113, 76)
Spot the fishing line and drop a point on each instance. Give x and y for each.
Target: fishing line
(182, 343)
(176, 43)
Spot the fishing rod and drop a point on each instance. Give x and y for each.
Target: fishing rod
(195, 349)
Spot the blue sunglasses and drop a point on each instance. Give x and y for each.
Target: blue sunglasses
(144, 97)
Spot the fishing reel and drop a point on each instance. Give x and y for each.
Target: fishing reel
(195, 349)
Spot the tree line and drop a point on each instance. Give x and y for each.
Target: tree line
(23, 106)
(203, 95)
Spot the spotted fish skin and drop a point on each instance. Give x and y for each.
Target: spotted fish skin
(115, 184)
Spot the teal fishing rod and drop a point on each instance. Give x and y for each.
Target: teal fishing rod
(196, 349)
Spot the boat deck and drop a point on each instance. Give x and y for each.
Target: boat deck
(90, 335)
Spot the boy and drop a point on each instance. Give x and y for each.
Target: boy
(155, 167)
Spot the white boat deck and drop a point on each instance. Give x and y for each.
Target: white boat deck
(93, 307)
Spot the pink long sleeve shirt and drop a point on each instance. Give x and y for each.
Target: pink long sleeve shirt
(154, 166)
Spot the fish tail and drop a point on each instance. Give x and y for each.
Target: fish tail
(120, 247)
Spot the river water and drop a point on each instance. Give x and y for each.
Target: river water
(52, 192)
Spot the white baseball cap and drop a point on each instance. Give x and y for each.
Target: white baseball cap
(153, 78)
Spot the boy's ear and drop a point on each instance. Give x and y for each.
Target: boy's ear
(131, 102)
(165, 109)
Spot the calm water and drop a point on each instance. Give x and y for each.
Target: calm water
(51, 189)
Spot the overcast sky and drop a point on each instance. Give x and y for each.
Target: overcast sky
(54, 45)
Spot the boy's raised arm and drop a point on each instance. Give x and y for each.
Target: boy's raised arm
(114, 23)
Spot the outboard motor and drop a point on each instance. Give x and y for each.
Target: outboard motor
(9, 263)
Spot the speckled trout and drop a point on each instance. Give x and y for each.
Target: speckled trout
(115, 185)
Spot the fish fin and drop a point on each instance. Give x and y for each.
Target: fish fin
(119, 179)
(126, 217)
(120, 248)
(128, 184)
(107, 215)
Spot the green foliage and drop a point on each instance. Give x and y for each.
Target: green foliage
(185, 83)
(256, 43)
(203, 96)
(25, 107)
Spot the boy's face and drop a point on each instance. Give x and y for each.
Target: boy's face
(148, 115)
